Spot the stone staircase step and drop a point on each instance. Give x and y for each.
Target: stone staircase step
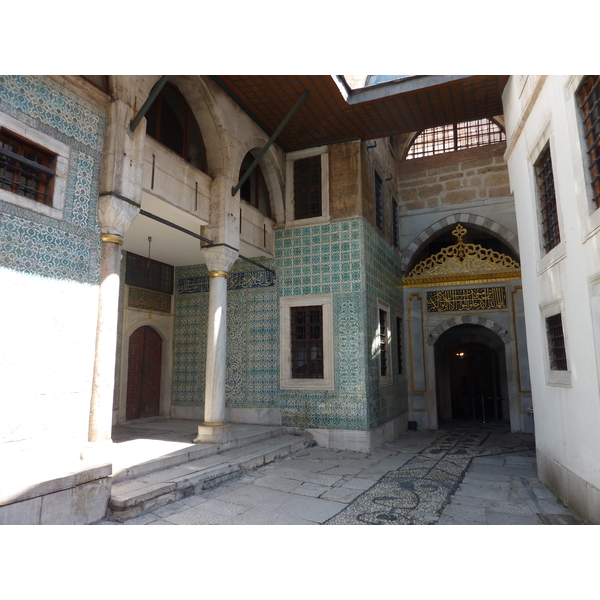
(134, 496)
(123, 472)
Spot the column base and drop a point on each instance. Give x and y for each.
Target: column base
(214, 433)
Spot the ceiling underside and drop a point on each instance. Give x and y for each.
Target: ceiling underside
(333, 113)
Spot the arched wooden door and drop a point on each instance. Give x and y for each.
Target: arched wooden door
(143, 374)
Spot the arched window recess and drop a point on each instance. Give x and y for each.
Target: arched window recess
(456, 136)
(254, 189)
(171, 122)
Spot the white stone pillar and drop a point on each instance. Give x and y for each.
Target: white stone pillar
(214, 429)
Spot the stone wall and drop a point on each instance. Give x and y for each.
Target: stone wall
(453, 178)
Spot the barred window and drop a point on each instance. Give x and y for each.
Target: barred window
(458, 136)
(25, 169)
(396, 223)
(149, 274)
(589, 102)
(556, 343)
(399, 343)
(378, 201)
(547, 200)
(383, 343)
(307, 342)
(307, 187)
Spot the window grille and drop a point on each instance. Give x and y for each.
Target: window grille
(149, 274)
(378, 201)
(556, 343)
(307, 187)
(589, 102)
(25, 169)
(396, 223)
(307, 342)
(458, 136)
(547, 200)
(383, 345)
(399, 343)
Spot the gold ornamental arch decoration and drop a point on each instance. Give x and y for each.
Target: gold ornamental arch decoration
(463, 263)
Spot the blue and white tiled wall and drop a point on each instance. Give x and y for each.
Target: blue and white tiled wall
(342, 258)
(49, 273)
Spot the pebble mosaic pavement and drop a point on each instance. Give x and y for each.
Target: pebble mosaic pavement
(418, 492)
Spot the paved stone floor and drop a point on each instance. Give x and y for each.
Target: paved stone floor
(465, 473)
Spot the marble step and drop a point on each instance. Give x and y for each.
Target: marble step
(133, 497)
(131, 465)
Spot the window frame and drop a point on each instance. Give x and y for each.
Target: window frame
(386, 340)
(253, 184)
(379, 200)
(554, 377)
(591, 143)
(58, 184)
(395, 223)
(399, 337)
(287, 381)
(547, 202)
(289, 188)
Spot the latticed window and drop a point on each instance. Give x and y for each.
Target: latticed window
(378, 201)
(383, 343)
(25, 169)
(458, 136)
(547, 200)
(307, 187)
(396, 223)
(307, 342)
(399, 343)
(149, 274)
(556, 343)
(589, 102)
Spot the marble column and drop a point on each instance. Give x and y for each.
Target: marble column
(115, 217)
(215, 429)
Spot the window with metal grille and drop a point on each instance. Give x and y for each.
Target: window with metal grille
(399, 343)
(307, 342)
(556, 343)
(396, 223)
(589, 102)
(378, 201)
(25, 169)
(307, 187)
(547, 200)
(171, 122)
(254, 190)
(149, 274)
(458, 136)
(383, 343)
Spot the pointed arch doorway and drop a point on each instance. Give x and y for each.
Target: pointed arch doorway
(144, 373)
(471, 377)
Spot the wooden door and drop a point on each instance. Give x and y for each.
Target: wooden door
(143, 374)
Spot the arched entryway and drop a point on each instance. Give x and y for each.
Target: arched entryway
(471, 380)
(144, 373)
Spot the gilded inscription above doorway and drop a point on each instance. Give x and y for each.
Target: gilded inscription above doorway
(470, 299)
(463, 263)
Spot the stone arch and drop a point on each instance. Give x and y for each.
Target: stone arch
(465, 218)
(209, 117)
(469, 320)
(270, 169)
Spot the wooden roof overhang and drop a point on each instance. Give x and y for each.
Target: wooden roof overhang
(333, 113)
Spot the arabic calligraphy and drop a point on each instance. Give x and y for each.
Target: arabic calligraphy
(235, 281)
(469, 299)
(149, 300)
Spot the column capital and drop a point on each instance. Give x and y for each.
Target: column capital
(115, 215)
(219, 259)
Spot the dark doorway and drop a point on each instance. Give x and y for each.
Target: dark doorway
(471, 375)
(143, 374)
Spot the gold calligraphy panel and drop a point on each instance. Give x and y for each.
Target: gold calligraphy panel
(149, 300)
(471, 299)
